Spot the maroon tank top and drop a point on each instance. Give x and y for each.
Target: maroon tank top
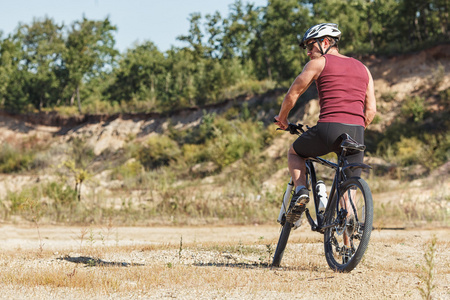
(342, 89)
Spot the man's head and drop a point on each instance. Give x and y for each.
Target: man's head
(318, 34)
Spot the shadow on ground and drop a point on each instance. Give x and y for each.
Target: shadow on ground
(255, 265)
(96, 262)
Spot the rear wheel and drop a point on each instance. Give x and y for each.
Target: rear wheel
(346, 243)
(282, 242)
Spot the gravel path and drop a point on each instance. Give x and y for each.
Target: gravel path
(209, 263)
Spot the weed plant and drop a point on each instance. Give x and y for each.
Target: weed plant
(426, 275)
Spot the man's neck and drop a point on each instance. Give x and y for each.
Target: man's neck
(333, 51)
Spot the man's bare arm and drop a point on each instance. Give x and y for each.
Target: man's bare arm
(310, 73)
(370, 108)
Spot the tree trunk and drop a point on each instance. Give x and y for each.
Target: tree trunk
(443, 17)
(72, 99)
(423, 17)
(369, 24)
(417, 29)
(78, 99)
(79, 192)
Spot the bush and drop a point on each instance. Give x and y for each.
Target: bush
(408, 151)
(193, 153)
(428, 150)
(388, 96)
(158, 151)
(14, 160)
(62, 195)
(130, 169)
(444, 98)
(234, 139)
(414, 107)
(436, 150)
(132, 173)
(17, 200)
(64, 199)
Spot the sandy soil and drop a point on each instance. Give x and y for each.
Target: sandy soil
(187, 257)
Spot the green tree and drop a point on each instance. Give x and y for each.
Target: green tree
(141, 75)
(381, 15)
(90, 53)
(283, 21)
(184, 76)
(237, 32)
(13, 77)
(351, 18)
(214, 28)
(195, 37)
(243, 38)
(42, 44)
(423, 20)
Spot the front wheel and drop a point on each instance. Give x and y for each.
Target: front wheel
(346, 242)
(282, 242)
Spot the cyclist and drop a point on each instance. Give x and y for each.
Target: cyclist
(347, 105)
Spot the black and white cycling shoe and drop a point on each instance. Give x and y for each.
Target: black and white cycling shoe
(297, 206)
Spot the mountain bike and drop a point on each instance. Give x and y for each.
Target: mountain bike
(345, 220)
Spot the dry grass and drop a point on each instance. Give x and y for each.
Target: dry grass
(224, 270)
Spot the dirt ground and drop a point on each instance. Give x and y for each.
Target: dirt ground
(230, 262)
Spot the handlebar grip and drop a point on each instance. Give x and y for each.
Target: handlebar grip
(292, 128)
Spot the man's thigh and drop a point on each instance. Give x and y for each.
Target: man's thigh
(311, 143)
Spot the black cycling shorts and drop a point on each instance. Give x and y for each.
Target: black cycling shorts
(320, 140)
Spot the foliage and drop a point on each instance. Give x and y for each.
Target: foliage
(64, 199)
(232, 140)
(80, 175)
(13, 160)
(157, 151)
(48, 65)
(222, 141)
(89, 53)
(407, 142)
(44, 66)
(414, 107)
(130, 169)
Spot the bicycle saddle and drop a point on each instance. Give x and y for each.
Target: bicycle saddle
(347, 142)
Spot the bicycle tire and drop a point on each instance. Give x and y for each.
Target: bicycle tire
(282, 242)
(342, 258)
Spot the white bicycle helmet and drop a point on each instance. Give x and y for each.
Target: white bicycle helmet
(321, 30)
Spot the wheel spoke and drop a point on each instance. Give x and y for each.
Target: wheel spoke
(346, 242)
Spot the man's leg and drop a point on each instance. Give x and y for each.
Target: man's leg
(297, 168)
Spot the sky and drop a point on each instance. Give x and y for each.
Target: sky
(159, 21)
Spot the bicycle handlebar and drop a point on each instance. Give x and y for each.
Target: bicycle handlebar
(293, 129)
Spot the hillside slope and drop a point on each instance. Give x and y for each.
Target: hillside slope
(396, 79)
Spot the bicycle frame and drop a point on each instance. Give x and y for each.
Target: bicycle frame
(339, 178)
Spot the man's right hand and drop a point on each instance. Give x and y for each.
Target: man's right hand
(283, 124)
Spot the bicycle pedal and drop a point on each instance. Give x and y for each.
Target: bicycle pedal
(298, 223)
